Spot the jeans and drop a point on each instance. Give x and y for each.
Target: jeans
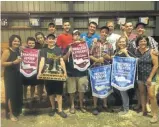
(125, 99)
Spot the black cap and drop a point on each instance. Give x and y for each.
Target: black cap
(140, 23)
(51, 24)
(51, 35)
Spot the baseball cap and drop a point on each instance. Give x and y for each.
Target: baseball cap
(76, 31)
(140, 23)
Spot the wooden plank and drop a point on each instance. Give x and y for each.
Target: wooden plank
(31, 5)
(65, 6)
(14, 6)
(8, 6)
(42, 6)
(101, 6)
(90, 6)
(52, 5)
(47, 6)
(95, 5)
(86, 6)
(106, 5)
(25, 6)
(19, 6)
(3, 6)
(58, 6)
(36, 5)
(76, 6)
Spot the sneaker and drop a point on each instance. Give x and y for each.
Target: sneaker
(123, 112)
(82, 110)
(62, 114)
(154, 120)
(52, 113)
(95, 111)
(72, 110)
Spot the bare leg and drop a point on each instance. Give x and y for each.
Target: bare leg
(95, 99)
(105, 102)
(81, 95)
(32, 91)
(153, 101)
(72, 95)
(59, 101)
(138, 100)
(25, 92)
(12, 117)
(52, 101)
(142, 91)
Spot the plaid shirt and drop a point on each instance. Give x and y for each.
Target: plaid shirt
(99, 49)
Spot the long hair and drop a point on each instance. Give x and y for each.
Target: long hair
(117, 47)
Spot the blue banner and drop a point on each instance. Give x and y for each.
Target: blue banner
(123, 73)
(100, 81)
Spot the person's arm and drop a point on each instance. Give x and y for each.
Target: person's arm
(63, 66)
(154, 68)
(41, 66)
(59, 41)
(67, 55)
(5, 57)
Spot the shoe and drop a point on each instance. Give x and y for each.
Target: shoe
(52, 113)
(154, 120)
(62, 114)
(105, 108)
(148, 108)
(72, 110)
(82, 110)
(13, 118)
(123, 112)
(95, 111)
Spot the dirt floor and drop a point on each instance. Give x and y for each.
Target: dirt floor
(38, 117)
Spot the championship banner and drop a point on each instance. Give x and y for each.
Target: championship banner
(80, 55)
(29, 64)
(100, 81)
(123, 73)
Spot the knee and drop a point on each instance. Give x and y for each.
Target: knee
(152, 96)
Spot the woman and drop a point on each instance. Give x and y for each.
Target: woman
(122, 51)
(12, 78)
(147, 69)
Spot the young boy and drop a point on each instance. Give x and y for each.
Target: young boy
(100, 53)
(53, 88)
(77, 80)
(51, 28)
(31, 80)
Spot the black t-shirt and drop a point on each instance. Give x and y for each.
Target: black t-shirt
(71, 71)
(52, 56)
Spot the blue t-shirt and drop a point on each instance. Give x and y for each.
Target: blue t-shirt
(89, 40)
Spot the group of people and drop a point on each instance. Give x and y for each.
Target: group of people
(102, 49)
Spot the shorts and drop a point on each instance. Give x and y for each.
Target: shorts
(79, 84)
(54, 87)
(29, 80)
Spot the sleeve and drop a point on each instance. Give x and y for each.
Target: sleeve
(58, 43)
(42, 53)
(153, 43)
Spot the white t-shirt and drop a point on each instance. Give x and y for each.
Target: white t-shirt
(112, 39)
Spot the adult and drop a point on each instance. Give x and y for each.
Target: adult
(112, 37)
(147, 69)
(12, 78)
(65, 38)
(91, 35)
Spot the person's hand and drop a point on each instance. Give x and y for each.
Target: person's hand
(17, 61)
(70, 49)
(78, 41)
(125, 51)
(65, 75)
(38, 75)
(148, 82)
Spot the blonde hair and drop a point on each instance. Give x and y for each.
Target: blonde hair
(126, 39)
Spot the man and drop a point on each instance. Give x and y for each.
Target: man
(65, 38)
(53, 88)
(51, 28)
(90, 36)
(112, 37)
(77, 81)
(128, 31)
(100, 53)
